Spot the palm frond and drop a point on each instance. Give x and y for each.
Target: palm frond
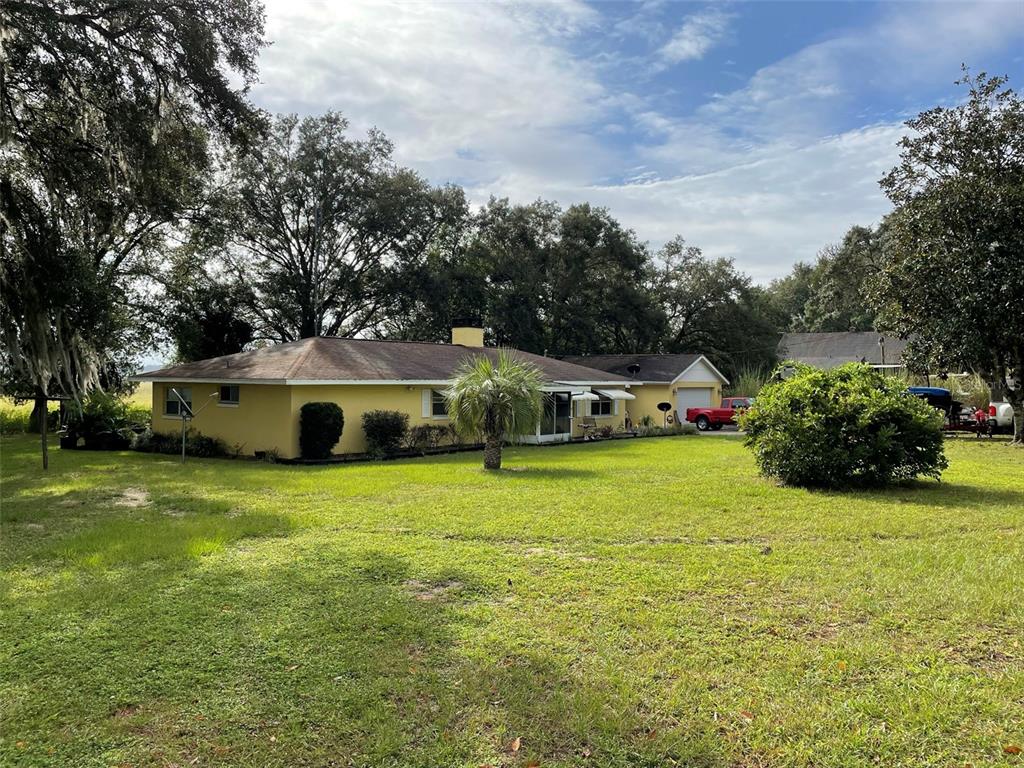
(499, 399)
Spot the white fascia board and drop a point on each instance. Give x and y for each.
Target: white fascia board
(395, 382)
(707, 363)
(191, 380)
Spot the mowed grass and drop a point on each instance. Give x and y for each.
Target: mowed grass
(641, 603)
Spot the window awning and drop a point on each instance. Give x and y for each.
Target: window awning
(616, 394)
(585, 396)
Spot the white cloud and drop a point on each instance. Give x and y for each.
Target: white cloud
(496, 97)
(772, 207)
(699, 34)
(444, 80)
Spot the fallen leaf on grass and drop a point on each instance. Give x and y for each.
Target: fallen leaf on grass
(842, 666)
(746, 715)
(1012, 749)
(293, 667)
(533, 764)
(516, 743)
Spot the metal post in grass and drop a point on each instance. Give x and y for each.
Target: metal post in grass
(185, 413)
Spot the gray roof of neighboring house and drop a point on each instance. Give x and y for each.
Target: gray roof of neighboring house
(652, 367)
(328, 358)
(827, 350)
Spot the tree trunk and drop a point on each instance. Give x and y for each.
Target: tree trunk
(40, 408)
(492, 453)
(1018, 424)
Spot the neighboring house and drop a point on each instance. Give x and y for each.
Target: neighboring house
(827, 350)
(252, 399)
(684, 381)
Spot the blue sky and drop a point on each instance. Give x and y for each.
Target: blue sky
(757, 130)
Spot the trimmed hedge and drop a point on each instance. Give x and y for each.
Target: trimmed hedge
(320, 427)
(385, 432)
(848, 426)
(196, 444)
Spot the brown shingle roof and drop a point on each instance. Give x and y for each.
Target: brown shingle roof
(322, 358)
(652, 367)
(827, 350)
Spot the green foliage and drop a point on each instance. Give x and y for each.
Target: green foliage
(17, 418)
(952, 281)
(539, 278)
(425, 436)
(196, 444)
(748, 381)
(711, 307)
(657, 430)
(496, 400)
(320, 427)
(842, 427)
(971, 390)
(106, 112)
(104, 421)
(205, 316)
(385, 432)
(358, 221)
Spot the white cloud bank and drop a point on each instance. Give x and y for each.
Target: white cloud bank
(496, 97)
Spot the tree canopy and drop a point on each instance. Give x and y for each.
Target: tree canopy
(105, 109)
(952, 279)
(321, 228)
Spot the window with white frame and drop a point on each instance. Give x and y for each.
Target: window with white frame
(602, 407)
(438, 403)
(172, 406)
(229, 394)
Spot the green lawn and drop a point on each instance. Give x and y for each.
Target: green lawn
(640, 603)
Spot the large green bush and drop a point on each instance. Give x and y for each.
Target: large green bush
(102, 421)
(385, 432)
(320, 427)
(843, 427)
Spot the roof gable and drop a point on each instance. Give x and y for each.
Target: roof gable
(827, 350)
(654, 368)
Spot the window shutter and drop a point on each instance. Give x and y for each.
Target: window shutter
(615, 407)
(426, 403)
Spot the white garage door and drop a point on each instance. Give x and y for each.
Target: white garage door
(697, 397)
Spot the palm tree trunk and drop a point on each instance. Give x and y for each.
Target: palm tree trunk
(492, 452)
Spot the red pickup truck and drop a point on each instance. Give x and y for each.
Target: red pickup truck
(716, 418)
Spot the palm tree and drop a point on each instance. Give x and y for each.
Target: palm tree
(496, 400)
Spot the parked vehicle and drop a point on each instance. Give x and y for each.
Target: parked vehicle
(716, 418)
(1002, 414)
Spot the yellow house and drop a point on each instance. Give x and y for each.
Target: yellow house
(683, 381)
(251, 400)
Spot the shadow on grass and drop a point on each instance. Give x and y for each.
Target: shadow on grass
(286, 652)
(933, 494)
(528, 472)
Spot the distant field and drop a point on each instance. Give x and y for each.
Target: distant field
(14, 416)
(636, 603)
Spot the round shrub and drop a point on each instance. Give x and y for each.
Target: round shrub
(847, 426)
(385, 431)
(320, 426)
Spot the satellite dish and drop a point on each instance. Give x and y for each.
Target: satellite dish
(633, 368)
(664, 407)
